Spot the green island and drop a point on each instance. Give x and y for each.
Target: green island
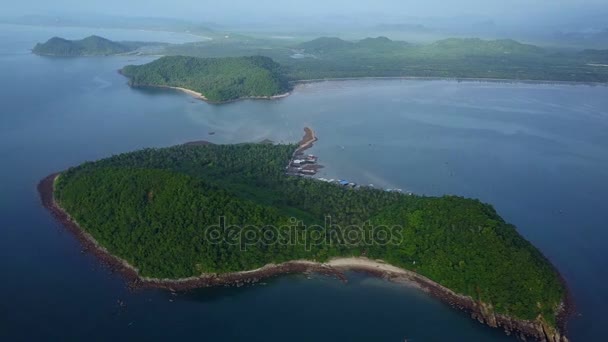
(327, 57)
(221, 71)
(213, 79)
(89, 46)
(155, 209)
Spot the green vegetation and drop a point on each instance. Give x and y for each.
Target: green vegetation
(218, 79)
(156, 207)
(381, 57)
(90, 46)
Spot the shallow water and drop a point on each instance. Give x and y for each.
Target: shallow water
(536, 152)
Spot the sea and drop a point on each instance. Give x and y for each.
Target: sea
(537, 152)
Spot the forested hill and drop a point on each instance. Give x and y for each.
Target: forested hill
(90, 46)
(331, 57)
(451, 47)
(156, 208)
(218, 79)
(453, 57)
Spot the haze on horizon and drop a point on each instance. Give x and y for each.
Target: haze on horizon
(195, 8)
(513, 18)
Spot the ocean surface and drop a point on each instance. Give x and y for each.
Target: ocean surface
(537, 152)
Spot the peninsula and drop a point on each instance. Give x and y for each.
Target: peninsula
(90, 46)
(213, 79)
(198, 215)
(453, 58)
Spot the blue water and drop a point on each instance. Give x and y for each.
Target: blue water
(536, 152)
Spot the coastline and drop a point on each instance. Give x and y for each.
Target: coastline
(189, 92)
(201, 96)
(482, 312)
(296, 83)
(453, 79)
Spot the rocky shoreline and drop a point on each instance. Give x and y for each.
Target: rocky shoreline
(537, 330)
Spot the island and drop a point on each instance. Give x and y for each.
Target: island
(213, 79)
(89, 46)
(452, 58)
(201, 214)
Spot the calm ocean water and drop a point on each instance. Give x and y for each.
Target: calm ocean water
(538, 153)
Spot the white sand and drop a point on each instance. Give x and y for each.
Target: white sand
(200, 96)
(365, 263)
(189, 92)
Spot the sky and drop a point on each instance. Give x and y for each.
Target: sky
(207, 9)
(507, 16)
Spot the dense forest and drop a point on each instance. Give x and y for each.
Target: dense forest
(328, 57)
(159, 209)
(218, 79)
(90, 46)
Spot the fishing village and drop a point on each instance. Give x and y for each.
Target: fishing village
(306, 165)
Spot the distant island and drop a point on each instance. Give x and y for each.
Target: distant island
(220, 79)
(213, 79)
(200, 214)
(261, 67)
(90, 46)
(453, 58)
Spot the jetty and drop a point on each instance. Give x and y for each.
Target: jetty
(306, 165)
(307, 141)
(302, 164)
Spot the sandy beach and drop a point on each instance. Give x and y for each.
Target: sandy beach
(200, 96)
(189, 92)
(361, 263)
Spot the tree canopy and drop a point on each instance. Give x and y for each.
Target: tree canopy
(218, 79)
(159, 209)
(90, 46)
(328, 57)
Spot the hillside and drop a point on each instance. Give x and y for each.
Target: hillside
(160, 210)
(324, 46)
(218, 79)
(330, 57)
(450, 46)
(479, 47)
(90, 46)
